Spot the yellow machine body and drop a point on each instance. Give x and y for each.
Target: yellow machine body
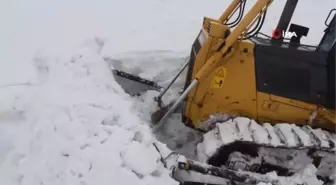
(230, 87)
(232, 72)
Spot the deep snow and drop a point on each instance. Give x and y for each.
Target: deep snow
(63, 119)
(76, 127)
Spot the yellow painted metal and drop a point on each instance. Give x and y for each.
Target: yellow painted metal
(237, 94)
(225, 69)
(213, 61)
(229, 10)
(218, 79)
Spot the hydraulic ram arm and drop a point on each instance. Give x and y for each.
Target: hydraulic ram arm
(229, 10)
(213, 61)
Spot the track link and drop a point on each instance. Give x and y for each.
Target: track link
(243, 144)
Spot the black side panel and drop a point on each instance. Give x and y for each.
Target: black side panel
(331, 78)
(190, 69)
(291, 73)
(327, 44)
(196, 47)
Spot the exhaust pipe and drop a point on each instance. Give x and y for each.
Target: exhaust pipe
(285, 18)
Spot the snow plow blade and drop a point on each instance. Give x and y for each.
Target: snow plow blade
(158, 114)
(134, 85)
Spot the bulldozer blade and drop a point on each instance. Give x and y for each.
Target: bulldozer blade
(158, 114)
(134, 85)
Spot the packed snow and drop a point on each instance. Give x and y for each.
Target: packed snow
(305, 176)
(76, 127)
(63, 118)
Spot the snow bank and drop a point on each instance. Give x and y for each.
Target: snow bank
(306, 176)
(77, 126)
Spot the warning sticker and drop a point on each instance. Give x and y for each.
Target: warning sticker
(218, 79)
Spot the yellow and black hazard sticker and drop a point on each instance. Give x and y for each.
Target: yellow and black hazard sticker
(218, 79)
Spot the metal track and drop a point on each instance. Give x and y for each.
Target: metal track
(282, 147)
(191, 172)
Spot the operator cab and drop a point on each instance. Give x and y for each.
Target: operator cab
(327, 45)
(329, 37)
(295, 70)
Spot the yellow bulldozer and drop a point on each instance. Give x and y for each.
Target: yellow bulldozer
(235, 72)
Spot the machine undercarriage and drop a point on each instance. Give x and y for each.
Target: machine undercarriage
(242, 144)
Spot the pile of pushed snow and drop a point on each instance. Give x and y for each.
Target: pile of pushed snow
(305, 176)
(75, 125)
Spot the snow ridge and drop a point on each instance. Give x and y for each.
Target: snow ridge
(77, 127)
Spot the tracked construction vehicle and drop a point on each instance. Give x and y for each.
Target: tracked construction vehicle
(242, 85)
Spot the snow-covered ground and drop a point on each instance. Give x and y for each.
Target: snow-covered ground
(63, 119)
(75, 126)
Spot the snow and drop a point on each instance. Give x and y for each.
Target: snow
(63, 119)
(286, 135)
(128, 25)
(305, 176)
(76, 127)
(263, 183)
(141, 159)
(211, 142)
(243, 126)
(259, 134)
(228, 131)
(304, 137)
(274, 139)
(323, 138)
